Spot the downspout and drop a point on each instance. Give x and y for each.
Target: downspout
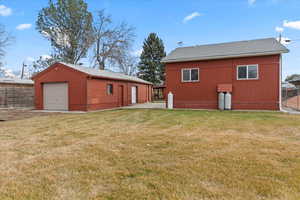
(280, 83)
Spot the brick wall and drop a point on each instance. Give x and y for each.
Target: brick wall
(14, 95)
(97, 97)
(259, 94)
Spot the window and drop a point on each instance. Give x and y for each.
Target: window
(190, 75)
(109, 89)
(246, 72)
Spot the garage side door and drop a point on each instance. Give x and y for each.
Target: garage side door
(133, 95)
(56, 96)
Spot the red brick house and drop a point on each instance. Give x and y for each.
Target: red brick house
(249, 70)
(76, 88)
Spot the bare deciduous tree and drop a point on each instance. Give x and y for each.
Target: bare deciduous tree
(5, 40)
(128, 65)
(43, 63)
(111, 42)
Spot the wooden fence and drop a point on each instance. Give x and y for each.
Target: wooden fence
(16, 96)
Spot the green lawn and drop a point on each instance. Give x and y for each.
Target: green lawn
(151, 154)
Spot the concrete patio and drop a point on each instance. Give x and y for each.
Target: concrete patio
(146, 106)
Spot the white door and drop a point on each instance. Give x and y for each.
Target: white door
(56, 96)
(133, 95)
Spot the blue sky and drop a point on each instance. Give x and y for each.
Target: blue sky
(194, 22)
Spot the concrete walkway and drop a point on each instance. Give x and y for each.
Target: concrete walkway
(290, 111)
(146, 106)
(58, 111)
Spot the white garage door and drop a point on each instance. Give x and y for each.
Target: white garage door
(56, 96)
(133, 95)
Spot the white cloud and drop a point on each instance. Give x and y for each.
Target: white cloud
(191, 16)
(23, 26)
(45, 57)
(251, 2)
(29, 59)
(137, 52)
(279, 29)
(6, 73)
(9, 74)
(292, 24)
(5, 11)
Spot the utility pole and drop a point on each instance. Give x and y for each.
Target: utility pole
(280, 37)
(23, 69)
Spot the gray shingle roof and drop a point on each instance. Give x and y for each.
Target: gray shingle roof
(105, 73)
(16, 81)
(268, 46)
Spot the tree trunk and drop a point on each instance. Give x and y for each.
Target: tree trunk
(101, 65)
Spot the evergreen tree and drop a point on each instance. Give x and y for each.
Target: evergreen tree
(150, 67)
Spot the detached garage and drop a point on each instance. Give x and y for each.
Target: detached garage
(76, 88)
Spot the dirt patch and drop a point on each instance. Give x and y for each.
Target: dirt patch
(17, 114)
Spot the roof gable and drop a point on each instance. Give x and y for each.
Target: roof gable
(246, 48)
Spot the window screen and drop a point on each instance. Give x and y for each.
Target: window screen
(242, 72)
(186, 76)
(252, 71)
(194, 75)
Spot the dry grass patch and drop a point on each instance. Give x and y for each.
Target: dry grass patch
(151, 154)
(17, 114)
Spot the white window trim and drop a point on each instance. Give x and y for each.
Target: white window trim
(190, 69)
(237, 72)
